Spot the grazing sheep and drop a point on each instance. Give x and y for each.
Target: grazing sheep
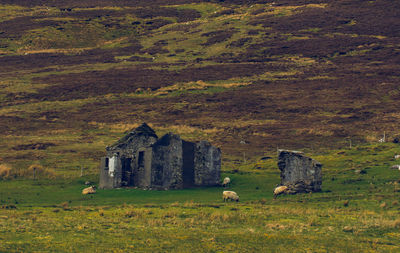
(280, 190)
(230, 195)
(89, 190)
(226, 182)
(396, 156)
(395, 167)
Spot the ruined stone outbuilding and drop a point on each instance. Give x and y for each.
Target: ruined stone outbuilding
(141, 159)
(298, 172)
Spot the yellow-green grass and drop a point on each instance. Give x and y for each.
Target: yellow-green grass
(355, 212)
(191, 226)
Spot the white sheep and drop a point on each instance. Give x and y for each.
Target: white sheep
(230, 195)
(395, 167)
(280, 190)
(396, 156)
(89, 190)
(226, 182)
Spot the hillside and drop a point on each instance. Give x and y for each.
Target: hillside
(294, 74)
(248, 76)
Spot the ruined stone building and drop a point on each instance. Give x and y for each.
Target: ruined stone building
(141, 159)
(299, 172)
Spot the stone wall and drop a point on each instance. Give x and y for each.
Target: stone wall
(207, 164)
(142, 168)
(298, 172)
(167, 162)
(110, 172)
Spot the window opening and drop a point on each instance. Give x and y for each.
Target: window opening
(106, 163)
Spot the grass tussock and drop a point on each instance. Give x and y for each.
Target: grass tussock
(38, 171)
(7, 172)
(34, 171)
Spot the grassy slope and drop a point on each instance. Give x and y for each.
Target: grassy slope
(74, 77)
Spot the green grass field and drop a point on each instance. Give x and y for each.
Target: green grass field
(355, 212)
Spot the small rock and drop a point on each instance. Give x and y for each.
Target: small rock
(360, 171)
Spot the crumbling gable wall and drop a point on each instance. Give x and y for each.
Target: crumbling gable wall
(126, 151)
(128, 146)
(300, 173)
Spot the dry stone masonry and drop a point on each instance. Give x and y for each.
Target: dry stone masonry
(298, 172)
(141, 159)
